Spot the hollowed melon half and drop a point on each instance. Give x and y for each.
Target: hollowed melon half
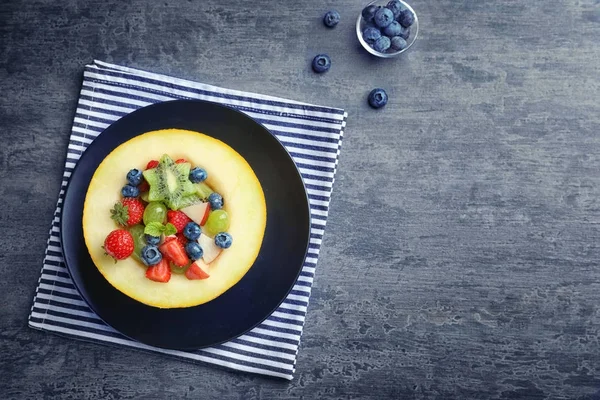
(228, 174)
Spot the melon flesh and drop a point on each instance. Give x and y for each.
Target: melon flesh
(228, 174)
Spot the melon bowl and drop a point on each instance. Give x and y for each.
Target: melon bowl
(228, 174)
(270, 223)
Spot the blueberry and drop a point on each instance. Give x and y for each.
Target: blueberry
(193, 250)
(192, 231)
(130, 191)
(134, 177)
(405, 33)
(406, 18)
(216, 201)
(151, 255)
(153, 240)
(393, 29)
(368, 13)
(378, 98)
(383, 17)
(331, 18)
(223, 240)
(382, 44)
(321, 63)
(198, 175)
(396, 7)
(398, 43)
(371, 34)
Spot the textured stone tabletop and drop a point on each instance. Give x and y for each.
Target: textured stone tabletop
(461, 257)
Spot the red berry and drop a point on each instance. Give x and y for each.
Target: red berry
(160, 272)
(128, 212)
(181, 239)
(175, 252)
(152, 164)
(144, 186)
(178, 219)
(180, 161)
(119, 244)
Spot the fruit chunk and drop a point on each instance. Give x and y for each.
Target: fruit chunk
(152, 164)
(119, 244)
(193, 250)
(128, 212)
(198, 175)
(174, 252)
(210, 249)
(216, 201)
(159, 272)
(151, 255)
(223, 240)
(383, 17)
(139, 241)
(192, 231)
(179, 219)
(198, 212)
(378, 98)
(130, 191)
(198, 270)
(203, 190)
(155, 212)
(134, 177)
(169, 182)
(218, 221)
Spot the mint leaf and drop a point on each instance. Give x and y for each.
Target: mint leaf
(154, 229)
(170, 229)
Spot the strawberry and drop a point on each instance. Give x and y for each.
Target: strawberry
(198, 270)
(160, 272)
(144, 186)
(118, 244)
(178, 219)
(175, 252)
(182, 239)
(152, 164)
(180, 161)
(129, 211)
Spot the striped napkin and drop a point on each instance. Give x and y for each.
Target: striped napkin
(313, 136)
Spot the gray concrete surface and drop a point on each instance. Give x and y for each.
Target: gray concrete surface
(461, 254)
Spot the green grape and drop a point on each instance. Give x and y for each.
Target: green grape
(139, 240)
(155, 212)
(218, 221)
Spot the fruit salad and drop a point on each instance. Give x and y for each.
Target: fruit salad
(169, 220)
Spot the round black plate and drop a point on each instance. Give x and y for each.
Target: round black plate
(265, 285)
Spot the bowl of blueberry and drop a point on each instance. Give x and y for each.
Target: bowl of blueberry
(387, 29)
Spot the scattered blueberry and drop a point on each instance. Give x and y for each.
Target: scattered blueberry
(368, 13)
(192, 231)
(153, 240)
(331, 18)
(223, 240)
(134, 177)
(393, 29)
(378, 98)
(216, 201)
(198, 175)
(383, 17)
(371, 34)
(405, 33)
(406, 18)
(151, 255)
(130, 191)
(396, 7)
(193, 250)
(382, 44)
(321, 63)
(398, 43)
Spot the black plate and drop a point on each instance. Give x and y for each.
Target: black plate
(265, 285)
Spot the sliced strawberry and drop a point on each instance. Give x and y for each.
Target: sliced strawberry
(160, 272)
(175, 252)
(198, 270)
(152, 164)
(180, 161)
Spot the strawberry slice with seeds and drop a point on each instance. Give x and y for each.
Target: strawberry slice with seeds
(160, 272)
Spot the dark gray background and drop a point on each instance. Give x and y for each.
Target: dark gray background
(461, 253)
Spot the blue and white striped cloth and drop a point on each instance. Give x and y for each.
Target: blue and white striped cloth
(313, 136)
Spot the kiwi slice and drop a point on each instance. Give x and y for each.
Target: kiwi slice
(203, 190)
(169, 182)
